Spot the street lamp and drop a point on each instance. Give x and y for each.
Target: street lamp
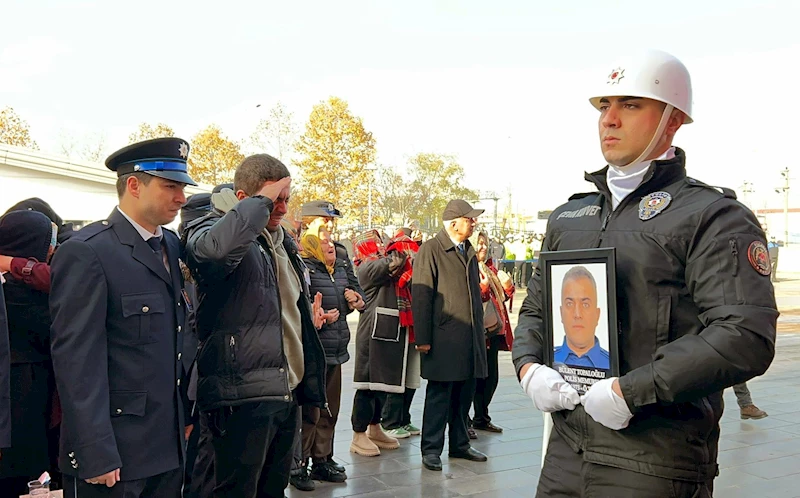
(785, 191)
(371, 169)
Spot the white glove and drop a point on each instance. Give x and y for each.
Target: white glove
(605, 406)
(548, 389)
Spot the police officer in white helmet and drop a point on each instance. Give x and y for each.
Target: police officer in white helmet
(696, 307)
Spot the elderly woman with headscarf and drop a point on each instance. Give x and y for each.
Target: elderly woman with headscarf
(382, 342)
(327, 276)
(496, 290)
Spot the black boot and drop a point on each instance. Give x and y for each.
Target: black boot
(323, 471)
(302, 481)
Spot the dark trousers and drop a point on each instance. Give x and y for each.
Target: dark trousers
(446, 404)
(191, 457)
(319, 425)
(166, 485)
(201, 483)
(252, 449)
(485, 388)
(366, 409)
(397, 409)
(566, 475)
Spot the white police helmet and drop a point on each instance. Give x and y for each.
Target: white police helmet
(651, 74)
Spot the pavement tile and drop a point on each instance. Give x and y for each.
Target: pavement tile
(355, 486)
(770, 469)
(491, 482)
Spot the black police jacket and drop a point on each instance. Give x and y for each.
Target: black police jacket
(117, 321)
(696, 314)
(240, 357)
(334, 336)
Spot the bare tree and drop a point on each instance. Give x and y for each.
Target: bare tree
(276, 134)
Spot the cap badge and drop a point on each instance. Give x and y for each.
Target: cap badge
(615, 76)
(652, 204)
(758, 255)
(183, 150)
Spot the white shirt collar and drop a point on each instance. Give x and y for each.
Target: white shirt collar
(146, 235)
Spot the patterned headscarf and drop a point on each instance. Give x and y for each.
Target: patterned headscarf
(368, 246)
(312, 248)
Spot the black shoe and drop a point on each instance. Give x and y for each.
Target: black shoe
(338, 466)
(471, 454)
(325, 472)
(471, 433)
(488, 427)
(432, 462)
(301, 481)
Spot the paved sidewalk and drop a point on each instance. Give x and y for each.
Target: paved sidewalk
(758, 459)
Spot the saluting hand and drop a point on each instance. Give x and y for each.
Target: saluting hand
(273, 190)
(109, 479)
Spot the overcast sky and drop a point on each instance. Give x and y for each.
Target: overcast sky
(503, 85)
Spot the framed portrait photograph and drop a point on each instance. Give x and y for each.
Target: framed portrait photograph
(580, 315)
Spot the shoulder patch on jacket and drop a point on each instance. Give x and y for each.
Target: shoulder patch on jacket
(91, 230)
(725, 192)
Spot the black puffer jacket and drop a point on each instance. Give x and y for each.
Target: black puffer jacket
(696, 312)
(241, 357)
(335, 336)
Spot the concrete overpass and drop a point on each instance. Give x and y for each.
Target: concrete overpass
(80, 192)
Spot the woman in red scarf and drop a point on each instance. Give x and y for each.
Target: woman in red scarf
(496, 290)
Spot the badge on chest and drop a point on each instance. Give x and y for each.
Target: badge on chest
(652, 204)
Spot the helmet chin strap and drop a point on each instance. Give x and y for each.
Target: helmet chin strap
(656, 136)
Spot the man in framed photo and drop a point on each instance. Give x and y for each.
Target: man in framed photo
(696, 309)
(580, 316)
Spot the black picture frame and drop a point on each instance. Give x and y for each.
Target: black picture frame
(559, 268)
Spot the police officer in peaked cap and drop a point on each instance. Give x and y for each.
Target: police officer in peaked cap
(118, 310)
(696, 308)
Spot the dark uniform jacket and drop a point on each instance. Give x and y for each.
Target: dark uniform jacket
(448, 312)
(241, 357)
(334, 336)
(695, 316)
(118, 317)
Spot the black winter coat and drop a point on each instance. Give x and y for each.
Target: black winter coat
(335, 336)
(32, 380)
(696, 314)
(448, 312)
(5, 381)
(241, 358)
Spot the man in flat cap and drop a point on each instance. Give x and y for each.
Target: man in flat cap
(448, 323)
(118, 311)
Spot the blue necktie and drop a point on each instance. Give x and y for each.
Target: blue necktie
(155, 244)
(462, 249)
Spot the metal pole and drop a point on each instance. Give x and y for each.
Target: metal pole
(785, 174)
(496, 232)
(369, 215)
